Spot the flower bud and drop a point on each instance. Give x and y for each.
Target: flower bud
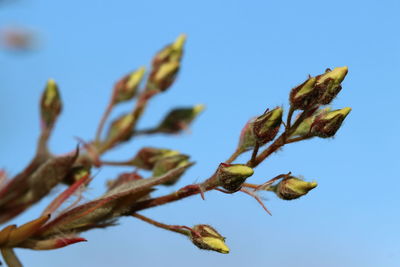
(50, 104)
(232, 176)
(172, 52)
(305, 94)
(305, 126)
(206, 237)
(120, 129)
(166, 65)
(292, 188)
(165, 75)
(329, 84)
(179, 119)
(148, 156)
(266, 126)
(165, 164)
(126, 88)
(327, 124)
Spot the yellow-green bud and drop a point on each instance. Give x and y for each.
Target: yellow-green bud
(120, 129)
(327, 124)
(165, 164)
(292, 188)
(305, 126)
(232, 176)
(165, 75)
(148, 156)
(305, 94)
(247, 139)
(179, 119)
(126, 88)
(50, 104)
(266, 126)
(206, 237)
(330, 84)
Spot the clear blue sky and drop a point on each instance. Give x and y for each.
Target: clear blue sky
(241, 58)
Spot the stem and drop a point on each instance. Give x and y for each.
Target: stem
(184, 192)
(146, 131)
(297, 139)
(10, 258)
(289, 117)
(103, 120)
(234, 155)
(184, 230)
(254, 154)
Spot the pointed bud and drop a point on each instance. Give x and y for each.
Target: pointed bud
(148, 156)
(232, 176)
(305, 126)
(172, 52)
(266, 126)
(292, 188)
(179, 119)
(165, 76)
(305, 94)
(330, 84)
(326, 125)
(166, 65)
(165, 164)
(206, 237)
(126, 88)
(120, 129)
(50, 104)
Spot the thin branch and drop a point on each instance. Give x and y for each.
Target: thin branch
(103, 120)
(184, 230)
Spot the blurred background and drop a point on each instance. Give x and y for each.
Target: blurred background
(241, 58)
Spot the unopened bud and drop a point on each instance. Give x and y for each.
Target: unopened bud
(267, 125)
(148, 156)
(326, 125)
(329, 84)
(50, 104)
(165, 164)
(292, 188)
(232, 176)
(305, 126)
(303, 95)
(165, 76)
(166, 65)
(172, 52)
(179, 119)
(120, 129)
(206, 237)
(126, 88)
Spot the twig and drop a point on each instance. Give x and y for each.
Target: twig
(184, 230)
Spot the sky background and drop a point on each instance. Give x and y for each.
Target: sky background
(241, 58)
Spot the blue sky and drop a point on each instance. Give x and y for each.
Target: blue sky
(241, 58)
